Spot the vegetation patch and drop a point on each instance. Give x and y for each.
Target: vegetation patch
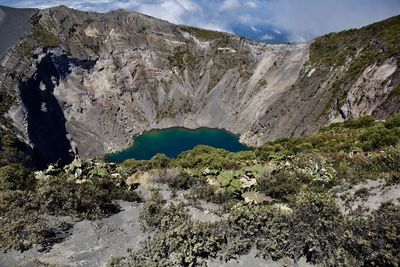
(182, 59)
(44, 37)
(202, 34)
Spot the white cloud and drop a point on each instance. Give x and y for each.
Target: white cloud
(189, 5)
(266, 37)
(245, 19)
(251, 4)
(254, 29)
(306, 19)
(214, 27)
(168, 10)
(229, 5)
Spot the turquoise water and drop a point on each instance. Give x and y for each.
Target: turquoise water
(173, 141)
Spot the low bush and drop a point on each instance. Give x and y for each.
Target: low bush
(181, 181)
(131, 166)
(207, 157)
(159, 161)
(388, 161)
(281, 185)
(393, 122)
(317, 229)
(22, 225)
(16, 177)
(377, 137)
(362, 122)
(264, 227)
(62, 197)
(374, 239)
(209, 193)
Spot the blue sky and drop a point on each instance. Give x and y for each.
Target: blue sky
(265, 20)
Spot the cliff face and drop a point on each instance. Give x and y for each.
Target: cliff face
(87, 82)
(348, 74)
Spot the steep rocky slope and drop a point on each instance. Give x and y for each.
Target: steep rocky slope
(349, 74)
(87, 82)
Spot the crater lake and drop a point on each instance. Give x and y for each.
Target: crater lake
(173, 141)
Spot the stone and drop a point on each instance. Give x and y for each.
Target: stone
(248, 182)
(78, 173)
(255, 197)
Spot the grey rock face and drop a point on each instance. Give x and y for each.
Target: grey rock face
(14, 23)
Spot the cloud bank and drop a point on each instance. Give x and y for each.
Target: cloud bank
(267, 20)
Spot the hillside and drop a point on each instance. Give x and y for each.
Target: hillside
(327, 199)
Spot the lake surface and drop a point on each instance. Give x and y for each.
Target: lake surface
(174, 141)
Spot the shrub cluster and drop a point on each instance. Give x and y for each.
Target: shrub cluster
(312, 227)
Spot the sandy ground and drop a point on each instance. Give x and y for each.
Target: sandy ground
(90, 243)
(253, 261)
(14, 23)
(378, 193)
(93, 243)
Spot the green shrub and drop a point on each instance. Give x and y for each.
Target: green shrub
(130, 166)
(317, 229)
(374, 239)
(206, 35)
(388, 161)
(393, 179)
(182, 59)
(264, 152)
(261, 226)
(281, 185)
(159, 161)
(152, 215)
(45, 37)
(206, 157)
(362, 122)
(208, 193)
(181, 181)
(61, 197)
(177, 241)
(362, 193)
(303, 147)
(229, 181)
(22, 225)
(377, 137)
(16, 177)
(188, 244)
(393, 122)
